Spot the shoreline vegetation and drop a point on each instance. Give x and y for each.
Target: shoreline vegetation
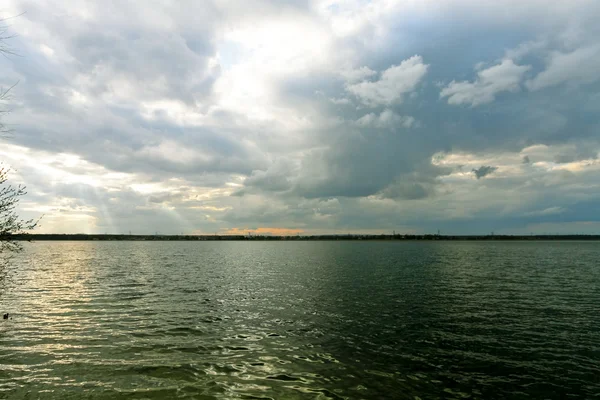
(249, 237)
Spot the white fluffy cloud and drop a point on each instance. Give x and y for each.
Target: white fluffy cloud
(581, 66)
(503, 77)
(393, 84)
(357, 74)
(387, 119)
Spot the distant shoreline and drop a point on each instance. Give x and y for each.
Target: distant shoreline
(397, 237)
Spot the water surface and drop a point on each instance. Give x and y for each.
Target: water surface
(301, 320)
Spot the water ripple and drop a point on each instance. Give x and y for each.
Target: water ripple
(302, 320)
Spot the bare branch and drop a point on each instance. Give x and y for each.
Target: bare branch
(5, 49)
(10, 223)
(4, 97)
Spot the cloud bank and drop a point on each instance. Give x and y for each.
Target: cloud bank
(310, 116)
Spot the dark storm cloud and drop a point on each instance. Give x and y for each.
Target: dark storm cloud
(484, 170)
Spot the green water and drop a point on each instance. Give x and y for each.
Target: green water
(301, 320)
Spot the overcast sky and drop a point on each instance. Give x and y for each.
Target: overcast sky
(310, 116)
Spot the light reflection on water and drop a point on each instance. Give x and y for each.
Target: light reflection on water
(304, 320)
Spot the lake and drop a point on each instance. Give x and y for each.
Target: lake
(301, 320)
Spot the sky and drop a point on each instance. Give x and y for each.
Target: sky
(305, 116)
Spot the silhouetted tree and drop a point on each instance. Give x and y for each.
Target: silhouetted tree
(10, 223)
